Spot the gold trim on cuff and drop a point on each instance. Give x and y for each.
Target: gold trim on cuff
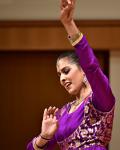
(76, 38)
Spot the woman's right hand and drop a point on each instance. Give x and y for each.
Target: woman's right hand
(49, 123)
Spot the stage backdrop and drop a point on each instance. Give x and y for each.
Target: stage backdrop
(28, 84)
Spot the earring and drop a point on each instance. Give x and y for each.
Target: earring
(85, 80)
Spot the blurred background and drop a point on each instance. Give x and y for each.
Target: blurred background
(31, 38)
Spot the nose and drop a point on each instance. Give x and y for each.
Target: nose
(62, 78)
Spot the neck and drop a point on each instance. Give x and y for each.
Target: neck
(84, 92)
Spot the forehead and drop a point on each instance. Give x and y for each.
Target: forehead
(63, 62)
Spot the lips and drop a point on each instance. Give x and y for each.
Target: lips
(67, 84)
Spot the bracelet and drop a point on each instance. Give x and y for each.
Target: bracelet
(75, 38)
(36, 147)
(44, 138)
(40, 147)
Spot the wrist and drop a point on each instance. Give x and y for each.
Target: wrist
(39, 142)
(71, 28)
(37, 146)
(75, 38)
(45, 137)
(68, 23)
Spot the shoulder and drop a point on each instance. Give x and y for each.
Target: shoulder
(91, 109)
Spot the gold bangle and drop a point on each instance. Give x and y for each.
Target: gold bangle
(75, 38)
(35, 146)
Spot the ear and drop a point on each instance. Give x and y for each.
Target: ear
(85, 79)
(82, 71)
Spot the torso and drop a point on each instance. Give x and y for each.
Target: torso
(75, 126)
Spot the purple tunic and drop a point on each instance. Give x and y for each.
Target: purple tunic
(90, 126)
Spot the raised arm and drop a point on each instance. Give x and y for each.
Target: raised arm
(103, 98)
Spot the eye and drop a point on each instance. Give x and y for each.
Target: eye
(66, 70)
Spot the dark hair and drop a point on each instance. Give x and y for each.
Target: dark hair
(71, 55)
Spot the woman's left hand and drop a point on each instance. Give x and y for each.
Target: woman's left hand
(66, 11)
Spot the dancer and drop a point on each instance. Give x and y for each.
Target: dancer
(86, 122)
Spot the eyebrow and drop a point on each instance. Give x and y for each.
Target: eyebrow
(62, 70)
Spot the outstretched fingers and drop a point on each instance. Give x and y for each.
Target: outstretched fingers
(45, 114)
(67, 10)
(50, 112)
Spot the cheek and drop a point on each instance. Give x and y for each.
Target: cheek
(78, 78)
(61, 82)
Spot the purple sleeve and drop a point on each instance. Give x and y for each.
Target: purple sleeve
(30, 146)
(50, 146)
(103, 98)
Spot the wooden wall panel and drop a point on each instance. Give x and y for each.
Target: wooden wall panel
(28, 84)
(28, 80)
(50, 35)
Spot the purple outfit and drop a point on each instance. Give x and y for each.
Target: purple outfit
(90, 126)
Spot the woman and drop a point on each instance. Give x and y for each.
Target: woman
(85, 123)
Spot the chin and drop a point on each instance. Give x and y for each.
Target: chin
(72, 92)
